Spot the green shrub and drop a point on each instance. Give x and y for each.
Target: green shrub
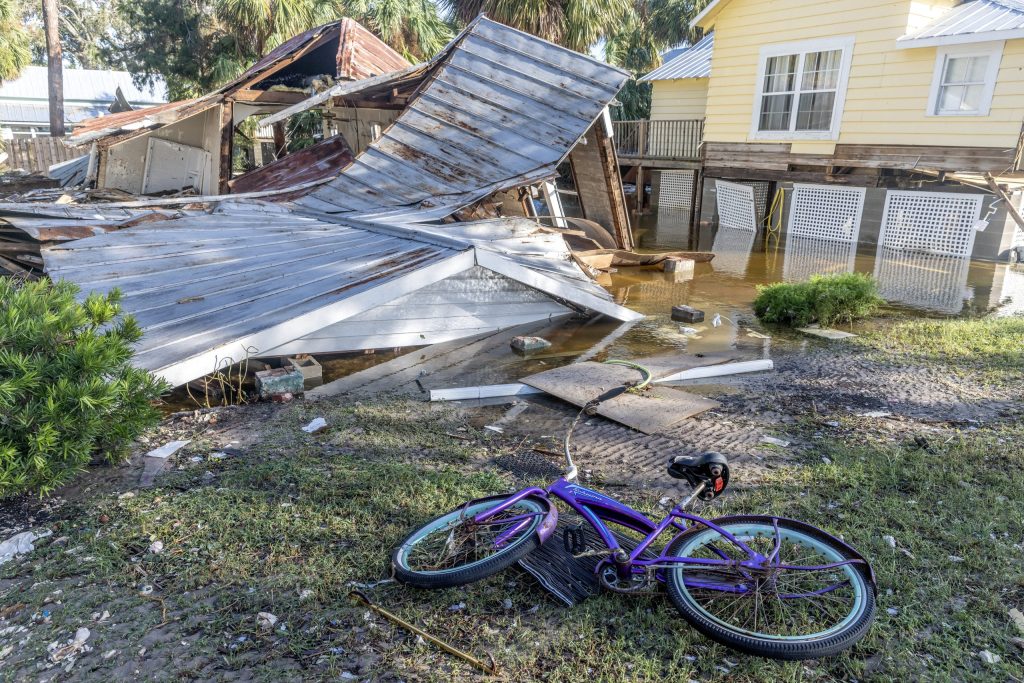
(67, 391)
(824, 299)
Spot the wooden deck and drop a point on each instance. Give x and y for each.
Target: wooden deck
(659, 144)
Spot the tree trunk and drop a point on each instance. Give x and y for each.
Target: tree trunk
(54, 58)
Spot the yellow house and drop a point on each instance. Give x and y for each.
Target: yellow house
(863, 84)
(896, 123)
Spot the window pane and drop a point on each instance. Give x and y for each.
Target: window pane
(815, 111)
(775, 112)
(780, 74)
(977, 69)
(821, 70)
(950, 97)
(956, 69)
(972, 98)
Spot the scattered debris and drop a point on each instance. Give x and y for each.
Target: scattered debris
(486, 391)
(680, 266)
(529, 344)
(310, 367)
(266, 621)
(720, 370)
(1017, 617)
(72, 648)
(825, 333)
(687, 314)
(781, 443)
(315, 425)
(20, 544)
(494, 428)
(876, 413)
(716, 321)
(989, 657)
(156, 547)
(890, 540)
(278, 382)
(168, 449)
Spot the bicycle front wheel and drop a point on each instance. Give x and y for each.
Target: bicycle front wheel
(798, 605)
(453, 550)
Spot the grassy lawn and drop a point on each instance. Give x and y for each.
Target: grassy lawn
(286, 527)
(991, 345)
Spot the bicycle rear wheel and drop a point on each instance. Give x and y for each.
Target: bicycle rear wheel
(453, 550)
(777, 611)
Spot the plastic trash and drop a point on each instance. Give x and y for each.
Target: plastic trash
(315, 426)
(717, 320)
(18, 544)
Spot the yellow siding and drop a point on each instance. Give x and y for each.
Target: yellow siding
(887, 95)
(684, 98)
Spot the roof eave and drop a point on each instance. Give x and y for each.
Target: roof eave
(908, 42)
(708, 13)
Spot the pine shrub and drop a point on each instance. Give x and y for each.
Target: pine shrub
(824, 299)
(68, 393)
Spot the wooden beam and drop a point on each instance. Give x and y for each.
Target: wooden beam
(227, 134)
(269, 96)
(1010, 208)
(280, 141)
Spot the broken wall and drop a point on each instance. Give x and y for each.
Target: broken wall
(124, 163)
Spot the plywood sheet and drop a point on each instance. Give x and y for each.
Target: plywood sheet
(656, 410)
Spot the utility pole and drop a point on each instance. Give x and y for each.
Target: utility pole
(54, 59)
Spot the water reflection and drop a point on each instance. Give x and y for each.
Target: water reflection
(732, 249)
(933, 282)
(806, 256)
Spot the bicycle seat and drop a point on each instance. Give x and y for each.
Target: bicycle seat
(709, 468)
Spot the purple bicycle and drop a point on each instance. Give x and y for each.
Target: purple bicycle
(763, 585)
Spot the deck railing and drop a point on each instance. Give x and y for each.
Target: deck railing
(677, 139)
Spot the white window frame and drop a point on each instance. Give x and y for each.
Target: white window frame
(994, 51)
(802, 48)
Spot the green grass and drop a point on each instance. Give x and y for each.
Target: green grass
(312, 513)
(980, 343)
(824, 299)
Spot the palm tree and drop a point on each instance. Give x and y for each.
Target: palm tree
(575, 24)
(15, 54)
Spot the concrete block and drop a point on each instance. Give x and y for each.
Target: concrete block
(687, 314)
(308, 366)
(529, 344)
(270, 383)
(678, 265)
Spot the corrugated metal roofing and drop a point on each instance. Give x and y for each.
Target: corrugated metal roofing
(26, 113)
(972, 21)
(83, 85)
(694, 62)
(208, 288)
(321, 160)
(498, 109)
(362, 54)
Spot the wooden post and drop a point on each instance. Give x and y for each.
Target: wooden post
(54, 69)
(227, 135)
(1010, 208)
(639, 190)
(280, 142)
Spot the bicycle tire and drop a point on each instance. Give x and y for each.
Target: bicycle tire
(524, 543)
(778, 647)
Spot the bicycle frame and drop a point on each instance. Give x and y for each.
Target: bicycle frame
(597, 509)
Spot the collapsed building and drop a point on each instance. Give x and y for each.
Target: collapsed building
(385, 251)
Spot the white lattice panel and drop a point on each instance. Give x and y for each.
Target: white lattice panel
(805, 257)
(930, 222)
(676, 190)
(1018, 233)
(736, 207)
(760, 188)
(732, 251)
(935, 282)
(824, 212)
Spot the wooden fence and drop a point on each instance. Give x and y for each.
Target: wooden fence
(38, 154)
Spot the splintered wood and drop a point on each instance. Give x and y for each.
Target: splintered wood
(655, 409)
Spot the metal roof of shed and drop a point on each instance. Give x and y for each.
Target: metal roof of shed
(83, 86)
(693, 62)
(971, 22)
(498, 108)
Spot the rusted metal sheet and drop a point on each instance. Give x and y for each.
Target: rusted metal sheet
(363, 55)
(496, 109)
(325, 159)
